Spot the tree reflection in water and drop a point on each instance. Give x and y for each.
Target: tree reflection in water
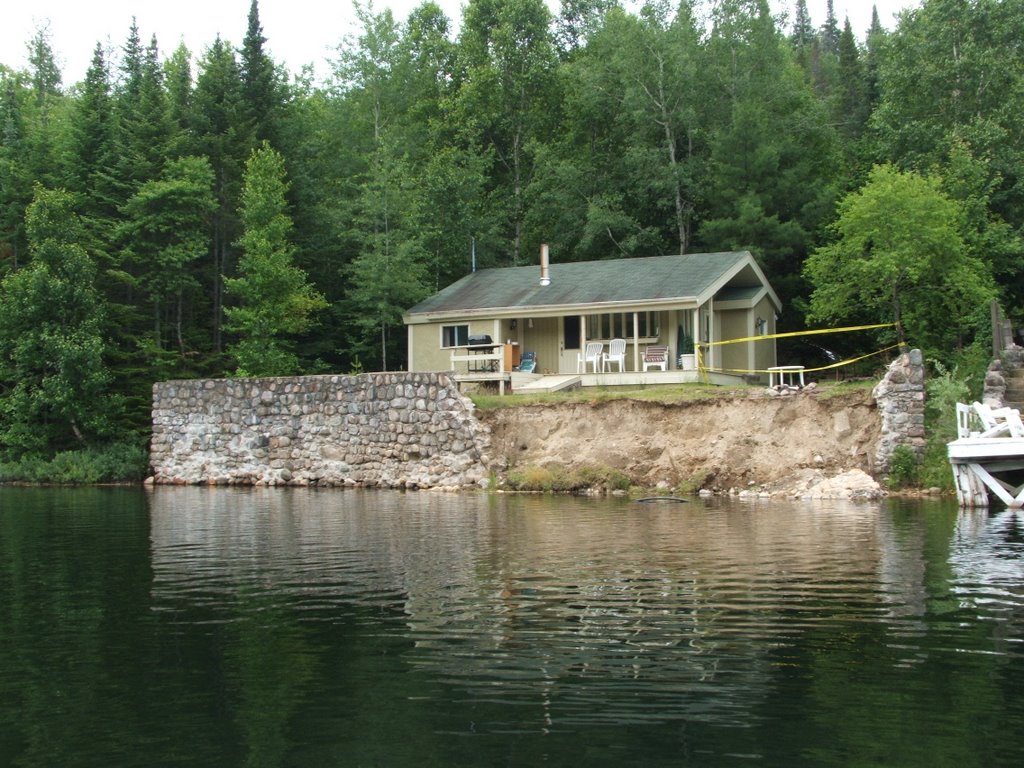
(277, 627)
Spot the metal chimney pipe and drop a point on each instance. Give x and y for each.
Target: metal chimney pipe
(545, 276)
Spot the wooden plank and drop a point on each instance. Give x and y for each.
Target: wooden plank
(1011, 495)
(968, 448)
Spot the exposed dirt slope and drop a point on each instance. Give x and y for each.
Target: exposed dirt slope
(755, 440)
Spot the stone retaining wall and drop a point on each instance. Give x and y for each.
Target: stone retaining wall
(395, 430)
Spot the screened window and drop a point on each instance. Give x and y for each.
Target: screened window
(619, 325)
(454, 336)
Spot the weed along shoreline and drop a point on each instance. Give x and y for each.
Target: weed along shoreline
(416, 431)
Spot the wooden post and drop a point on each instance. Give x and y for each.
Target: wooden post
(997, 329)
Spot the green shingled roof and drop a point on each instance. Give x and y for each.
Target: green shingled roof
(655, 278)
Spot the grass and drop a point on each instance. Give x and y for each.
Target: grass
(556, 479)
(662, 393)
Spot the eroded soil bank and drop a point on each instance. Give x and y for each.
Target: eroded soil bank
(748, 441)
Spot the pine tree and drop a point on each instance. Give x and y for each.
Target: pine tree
(166, 232)
(141, 129)
(261, 91)
(830, 30)
(216, 117)
(46, 75)
(15, 178)
(852, 103)
(803, 29)
(274, 300)
(91, 165)
(179, 85)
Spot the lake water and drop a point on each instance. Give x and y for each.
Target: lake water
(217, 627)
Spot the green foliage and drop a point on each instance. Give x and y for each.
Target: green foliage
(608, 132)
(898, 257)
(53, 381)
(123, 462)
(166, 232)
(946, 387)
(904, 469)
(275, 301)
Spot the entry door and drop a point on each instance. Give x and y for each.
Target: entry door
(571, 343)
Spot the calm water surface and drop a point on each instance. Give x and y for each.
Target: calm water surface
(201, 627)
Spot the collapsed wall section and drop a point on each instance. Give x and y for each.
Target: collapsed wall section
(393, 430)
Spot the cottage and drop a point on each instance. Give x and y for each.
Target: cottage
(602, 318)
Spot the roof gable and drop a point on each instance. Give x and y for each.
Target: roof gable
(687, 277)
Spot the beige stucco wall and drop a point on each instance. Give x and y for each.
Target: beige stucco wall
(764, 351)
(543, 339)
(735, 324)
(426, 353)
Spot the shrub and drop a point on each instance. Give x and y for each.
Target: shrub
(531, 478)
(945, 388)
(558, 480)
(904, 470)
(116, 463)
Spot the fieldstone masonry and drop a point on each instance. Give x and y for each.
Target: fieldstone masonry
(900, 399)
(393, 430)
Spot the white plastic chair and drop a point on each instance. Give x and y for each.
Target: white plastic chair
(616, 354)
(591, 355)
(999, 422)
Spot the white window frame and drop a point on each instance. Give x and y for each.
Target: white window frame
(617, 325)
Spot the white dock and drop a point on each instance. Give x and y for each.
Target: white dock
(988, 456)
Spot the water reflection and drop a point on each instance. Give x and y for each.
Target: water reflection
(275, 627)
(554, 617)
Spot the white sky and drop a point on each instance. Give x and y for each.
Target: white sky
(298, 31)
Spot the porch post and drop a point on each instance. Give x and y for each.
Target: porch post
(696, 331)
(713, 361)
(752, 345)
(673, 339)
(636, 341)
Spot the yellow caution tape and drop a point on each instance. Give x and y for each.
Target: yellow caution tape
(828, 367)
(790, 334)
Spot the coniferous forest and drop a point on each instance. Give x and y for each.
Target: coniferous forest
(206, 213)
